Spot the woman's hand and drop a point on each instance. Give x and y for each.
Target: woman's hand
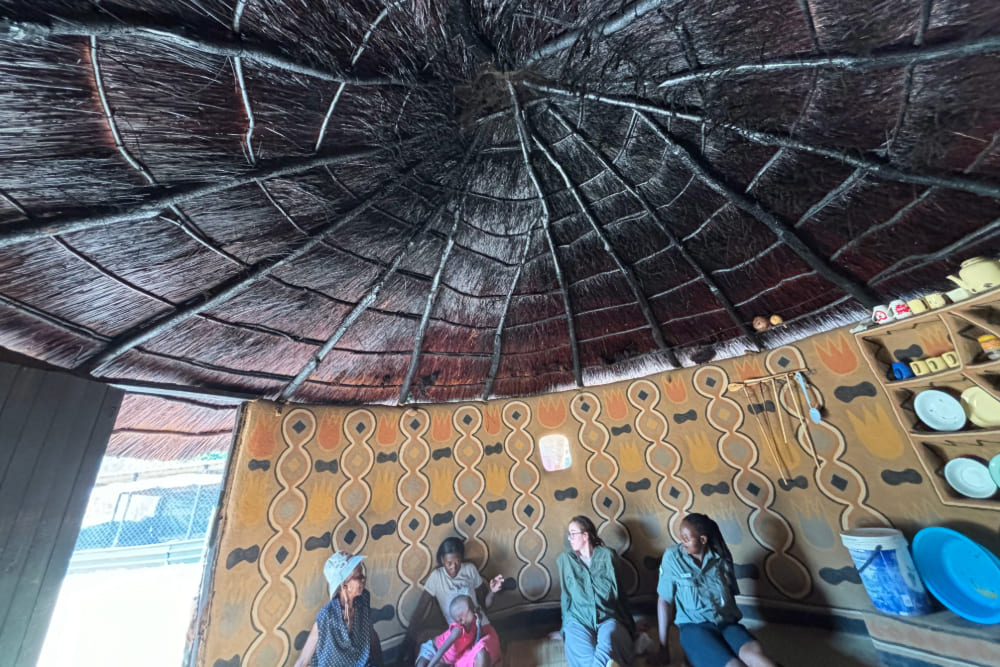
(496, 583)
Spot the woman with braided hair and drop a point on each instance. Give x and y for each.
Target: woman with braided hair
(697, 590)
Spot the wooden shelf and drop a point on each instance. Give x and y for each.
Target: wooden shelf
(956, 326)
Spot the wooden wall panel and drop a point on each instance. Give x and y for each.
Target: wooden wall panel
(53, 432)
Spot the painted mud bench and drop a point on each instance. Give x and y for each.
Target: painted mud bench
(940, 639)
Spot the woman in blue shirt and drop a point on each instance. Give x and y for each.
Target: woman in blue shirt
(697, 590)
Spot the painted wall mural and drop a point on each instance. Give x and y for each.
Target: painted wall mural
(393, 482)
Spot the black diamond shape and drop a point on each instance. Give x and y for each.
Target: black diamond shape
(753, 488)
(414, 424)
(413, 524)
(466, 420)
(710, 382)
(360, 428)
(674, 492)
(784, 361)
(838, 482)
(606, 502)
(529, 510)
(516, 415)
(585, 406)
(350, 536)
(298, 426)
(469, 520)
(643, 395)
(281, 555)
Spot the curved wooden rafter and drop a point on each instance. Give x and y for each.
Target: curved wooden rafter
(618, 21)
(697, 165)
(37, 228)
(373, 291)
(664, 227)
(522, 133)
(498, 336)
(222, 292)
(874, 167)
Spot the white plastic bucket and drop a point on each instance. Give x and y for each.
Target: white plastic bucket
(887, 571)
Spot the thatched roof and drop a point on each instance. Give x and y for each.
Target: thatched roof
(155, 427)
(433, 200)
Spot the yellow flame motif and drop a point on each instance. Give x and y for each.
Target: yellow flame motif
(442, 491)
(701, 453)
(496, 479)
(630, 458)
(877, 432)
(383, 493)
(935, 341)
(837, 355)
(250, 500)
(320, 509)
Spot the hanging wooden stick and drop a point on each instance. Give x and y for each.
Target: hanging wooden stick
(763, 435)
(804, 425)
(779, 409)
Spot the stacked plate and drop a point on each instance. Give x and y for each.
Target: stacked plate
(960, 573)
(973, 477)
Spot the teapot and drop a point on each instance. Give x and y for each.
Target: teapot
(978, 274)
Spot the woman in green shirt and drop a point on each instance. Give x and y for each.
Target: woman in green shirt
(597, 623)
(697, 590)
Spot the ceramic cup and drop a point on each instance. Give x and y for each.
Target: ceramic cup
(901, 371)
(917, 306)
(936, 364)
(957, 294)
(935, 300)
(919, 367)
(951, 358)
(900, 309)
(882, 314)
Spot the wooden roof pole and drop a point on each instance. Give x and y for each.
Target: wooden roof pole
(366, 301)
(623, 268)
(618, 21)
(897, 57)
(498, 336)
(695, 164)
(36, 228)
(373, 291)
(222, 292)
(667, 230)
(874, 167)
(114, 28)
(522, 133)
(404, 390)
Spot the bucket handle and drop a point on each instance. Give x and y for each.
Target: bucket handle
(868, 562)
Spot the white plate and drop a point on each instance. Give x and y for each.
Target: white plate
(940, 411)
(970, 478)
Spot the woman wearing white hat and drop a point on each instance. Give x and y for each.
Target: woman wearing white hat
(342, 635)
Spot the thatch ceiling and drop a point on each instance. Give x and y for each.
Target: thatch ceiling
(434, 200)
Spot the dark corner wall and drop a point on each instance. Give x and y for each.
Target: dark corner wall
(53, 432)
